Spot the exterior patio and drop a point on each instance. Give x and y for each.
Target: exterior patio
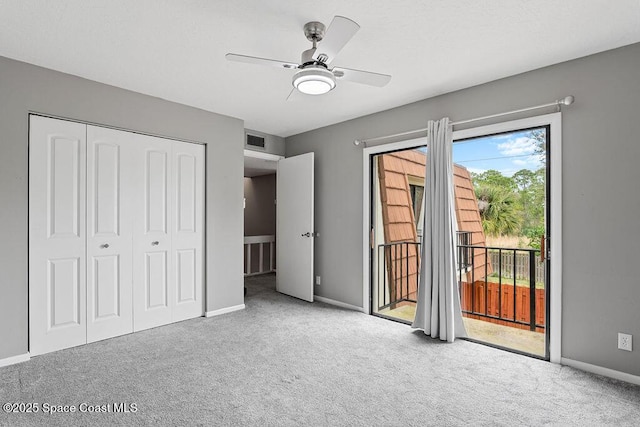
(481, 330)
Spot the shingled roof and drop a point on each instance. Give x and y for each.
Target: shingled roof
(395, 171)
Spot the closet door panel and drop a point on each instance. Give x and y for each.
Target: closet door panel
(107, 299)
(155, 191)
(109, 233)
(57, 191)
(63, 293)
(153, 270)
(156, 281)
(186, 276)
(188, 230)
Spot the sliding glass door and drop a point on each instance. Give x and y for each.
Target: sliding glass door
(502, 271)
(503, 196)
(397, 213)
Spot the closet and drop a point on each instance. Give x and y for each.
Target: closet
(116, 229)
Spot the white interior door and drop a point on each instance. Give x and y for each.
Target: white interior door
(152, 267)
(57, 190)
(109, 233)
(188, 230)
(294, 226)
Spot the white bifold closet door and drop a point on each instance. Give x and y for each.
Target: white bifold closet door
(116, 226)
(57, 241)
(168, 232)
(187, 231)
(110, 207)
(153, 270)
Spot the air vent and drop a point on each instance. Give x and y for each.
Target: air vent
(255, 141)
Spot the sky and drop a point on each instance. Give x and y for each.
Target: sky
(507, 153)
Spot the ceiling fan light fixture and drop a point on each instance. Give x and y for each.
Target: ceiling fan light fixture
(314, 80)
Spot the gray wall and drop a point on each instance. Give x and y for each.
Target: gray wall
(601, 201)
(272, 144)
(25, 88)
(260, 210)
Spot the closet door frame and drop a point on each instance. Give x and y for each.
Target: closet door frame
(202, 291)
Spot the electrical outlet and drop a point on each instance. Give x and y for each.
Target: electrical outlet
(625, 342)
(317, 280)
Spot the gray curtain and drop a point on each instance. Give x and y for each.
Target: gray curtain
(438, 310)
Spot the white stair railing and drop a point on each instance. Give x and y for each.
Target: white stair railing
(263, 241)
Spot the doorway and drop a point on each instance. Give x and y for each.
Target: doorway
(259, 213)
(503, 279)
(397, 215)
(289, 218)
(490, 276)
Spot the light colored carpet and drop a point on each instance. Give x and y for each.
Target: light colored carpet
(287, 362)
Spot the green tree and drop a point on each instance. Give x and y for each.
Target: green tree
(531, 200)
(534, 234)
(498, 210)
(492, 178)
(514, 205)
(531, 197)
(540, 138)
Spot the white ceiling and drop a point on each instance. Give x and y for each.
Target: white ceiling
(174, 49)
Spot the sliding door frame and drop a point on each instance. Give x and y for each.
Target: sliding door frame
(367, 156)
(554, 121)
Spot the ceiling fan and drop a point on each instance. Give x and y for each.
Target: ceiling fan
(314, 77)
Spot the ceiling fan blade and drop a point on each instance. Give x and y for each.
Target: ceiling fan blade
(260, 61)
(362, 77)
(340, 31)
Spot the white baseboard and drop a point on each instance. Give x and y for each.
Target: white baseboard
(224, 310)
(599, 370)
(14, 359)
(337, 303)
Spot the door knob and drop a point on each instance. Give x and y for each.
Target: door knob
(104, 246)
(155, 243)
(307, 234)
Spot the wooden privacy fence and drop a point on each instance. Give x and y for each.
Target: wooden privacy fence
(515, 302)
(492, 307)
(521, 260)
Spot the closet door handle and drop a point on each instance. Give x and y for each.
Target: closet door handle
(155, 243)
(104, 246)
